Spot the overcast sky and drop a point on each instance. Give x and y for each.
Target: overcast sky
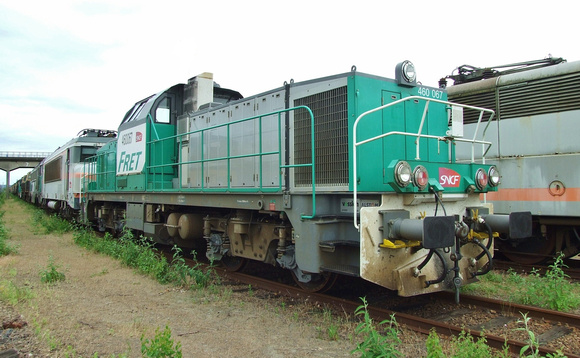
(66, 65)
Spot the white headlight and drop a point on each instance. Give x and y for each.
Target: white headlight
(493, 176)
(405, 74)
(403, 174)
(409, 71)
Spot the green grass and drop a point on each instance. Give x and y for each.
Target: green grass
(379, 340)
(160, 346)
(13, 294)
(49, 224)
(51, 274)
(139, 253)
(552, 290)
(466, 346)
(462, 346)
(5, 247)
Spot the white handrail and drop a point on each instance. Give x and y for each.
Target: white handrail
(418, 135)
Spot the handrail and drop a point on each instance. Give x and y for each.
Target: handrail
(418, 135)
(178, 138)
(96, 177)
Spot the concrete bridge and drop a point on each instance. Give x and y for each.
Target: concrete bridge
(10, 161)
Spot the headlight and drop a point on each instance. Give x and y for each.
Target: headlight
(481, 179)
(403, 174)
(409, 73)
(405, 74)
(493, 176)
(420, 177)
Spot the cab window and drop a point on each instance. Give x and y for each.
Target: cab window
(163, 111)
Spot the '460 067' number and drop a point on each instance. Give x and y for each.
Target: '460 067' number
(428, 92)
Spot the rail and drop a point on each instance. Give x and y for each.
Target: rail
(418, 135)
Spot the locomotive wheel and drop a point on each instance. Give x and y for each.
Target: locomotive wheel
(533, 251)
(321, 282)
(234, 263)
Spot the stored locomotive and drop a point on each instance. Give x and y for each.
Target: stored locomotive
(537, 105)
(351, 174)
(56, 182)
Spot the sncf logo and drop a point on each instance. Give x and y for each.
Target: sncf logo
(138, 137)
(449, 178)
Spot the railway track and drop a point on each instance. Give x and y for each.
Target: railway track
(562, 323)
(449, 319)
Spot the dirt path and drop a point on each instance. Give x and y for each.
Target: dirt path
(105, 308)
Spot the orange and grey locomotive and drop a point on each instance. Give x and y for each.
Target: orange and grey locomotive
(537, 105)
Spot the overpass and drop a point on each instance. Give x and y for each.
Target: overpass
(10, 161)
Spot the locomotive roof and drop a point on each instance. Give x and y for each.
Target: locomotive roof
(513, 78)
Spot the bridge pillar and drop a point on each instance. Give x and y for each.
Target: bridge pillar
(7, 183)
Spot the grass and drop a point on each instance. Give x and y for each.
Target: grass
(139, 253)
(462, 346)
(375, 343)
(51, 274)
(553, 290)
(13, 294)
(5, 247)
(466, 346)
(375, 339)
(161, 345)
(49, 224)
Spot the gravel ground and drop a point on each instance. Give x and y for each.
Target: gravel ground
(104, 308)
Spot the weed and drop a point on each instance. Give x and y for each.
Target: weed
(140, 254)
(376, 344)
(5, 248)
(51, 274)
(13, 294)
(552, 290)
(467, 347)
(434, 349)
(332, 331)
(463, 346)
(329, 322)
(102, 273)
(45, 224)
(187, 276)
(160, 346)
(532, 348)
(555, 290)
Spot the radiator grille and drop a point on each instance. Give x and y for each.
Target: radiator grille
(556, 94)
(547, 95)
(330, 136)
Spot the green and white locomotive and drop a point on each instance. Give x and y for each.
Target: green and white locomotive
(350, 174)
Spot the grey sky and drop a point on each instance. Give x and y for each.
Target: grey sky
(66, 65)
